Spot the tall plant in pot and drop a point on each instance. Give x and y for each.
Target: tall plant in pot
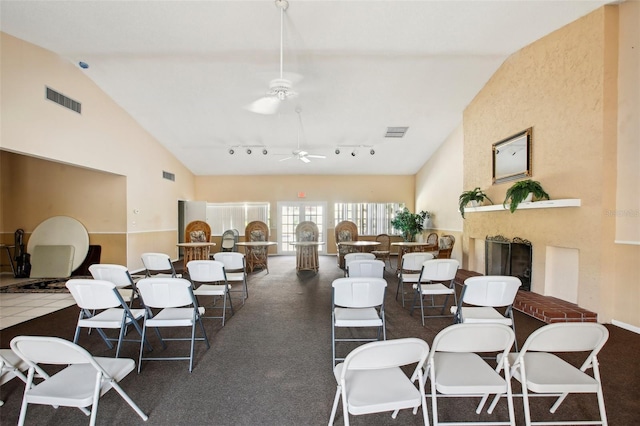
(410, 224)
(475, 196)
(522, 191)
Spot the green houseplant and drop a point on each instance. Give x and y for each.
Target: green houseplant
(475, 194)
(520, 191)
(410, 224)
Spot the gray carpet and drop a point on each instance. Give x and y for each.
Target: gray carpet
(271, 364)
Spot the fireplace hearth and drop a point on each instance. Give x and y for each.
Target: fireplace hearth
(512, 257)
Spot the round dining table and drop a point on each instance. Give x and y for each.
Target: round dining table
(411, 246)
(307, 255)
(196, 251)
(360, 245)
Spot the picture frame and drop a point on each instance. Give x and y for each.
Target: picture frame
(512, 157)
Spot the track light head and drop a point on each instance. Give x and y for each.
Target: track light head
(231, 151)
(353, 153)
(264, 151)
(248, 150)
(372, 152)
(337, 151)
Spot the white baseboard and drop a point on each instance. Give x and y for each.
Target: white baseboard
(626, 326)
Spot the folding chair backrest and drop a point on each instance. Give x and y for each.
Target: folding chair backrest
(166, 292)
(350, 257)
(232, 260)
(490, 290)
(361, 292)
(117, 274)
(387, 354)
(228, 240)
(568, 337)
(50, 350)
(439, 270)
(366, 268)
(205, 271)
(474, 338)
(413, 261)
(157, 262)
(94, 294)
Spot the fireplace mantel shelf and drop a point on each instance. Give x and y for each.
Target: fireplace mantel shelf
(545, 204)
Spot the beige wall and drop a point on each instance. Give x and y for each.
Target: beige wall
(565, 87)
(331, 189)
(103, 138)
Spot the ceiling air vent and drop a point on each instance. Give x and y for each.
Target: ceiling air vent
(63, 100)
(168, 176)
(395, 132)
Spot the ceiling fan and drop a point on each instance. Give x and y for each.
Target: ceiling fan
(301, 155)
(280, 89)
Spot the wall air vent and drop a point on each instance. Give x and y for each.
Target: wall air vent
(63, 100)
(168, 176)
(395, 132)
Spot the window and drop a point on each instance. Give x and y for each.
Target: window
(370, 218)
(225, 216)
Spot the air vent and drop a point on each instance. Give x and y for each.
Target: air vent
(63, 100)
(168, 176)
(395, 132)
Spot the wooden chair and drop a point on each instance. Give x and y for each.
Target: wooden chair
(445, 247)
(307, 256)
(345, 231)
(383, 251)
(256, 256)
(197, 232)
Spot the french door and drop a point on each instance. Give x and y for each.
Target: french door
(290, 214)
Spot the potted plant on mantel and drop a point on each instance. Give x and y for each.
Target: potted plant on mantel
(524, 191)
(476, 197)
(410, 224)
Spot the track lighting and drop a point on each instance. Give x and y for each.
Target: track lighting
(249, 151)
(372, 152)
(353, 153)
(337, 151)
(231, 151)
(264, 152)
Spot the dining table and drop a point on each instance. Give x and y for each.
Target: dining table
(307, 255)
(412, 246)
(360, 245)
(196, 251)
(256, 253)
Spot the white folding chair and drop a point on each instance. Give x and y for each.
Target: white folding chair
(357, 302)
(370, 379)
(80, 384)
(236, 270)
(11, 366)
(481, 296)
(410, 270)
(206, 273)
(179, 308)
(543, 373)
(436, 280)
(356, 256)
(456, 369)
(102, 307)
(159, 265)
(118, 275)
(365, 268)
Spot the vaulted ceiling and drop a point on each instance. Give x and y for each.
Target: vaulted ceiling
(187, 70)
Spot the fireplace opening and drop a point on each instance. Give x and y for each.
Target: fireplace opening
(508, 257)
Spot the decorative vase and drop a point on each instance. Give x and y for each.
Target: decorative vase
(528, 198)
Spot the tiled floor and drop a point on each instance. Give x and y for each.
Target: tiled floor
(19, 307)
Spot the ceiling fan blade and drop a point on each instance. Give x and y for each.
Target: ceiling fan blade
(265, 105)
(285, 158)
(316, 156)
(304, 159)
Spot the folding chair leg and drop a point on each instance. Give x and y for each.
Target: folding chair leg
(335, 405)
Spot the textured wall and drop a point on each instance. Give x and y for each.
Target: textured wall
(563, 86)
